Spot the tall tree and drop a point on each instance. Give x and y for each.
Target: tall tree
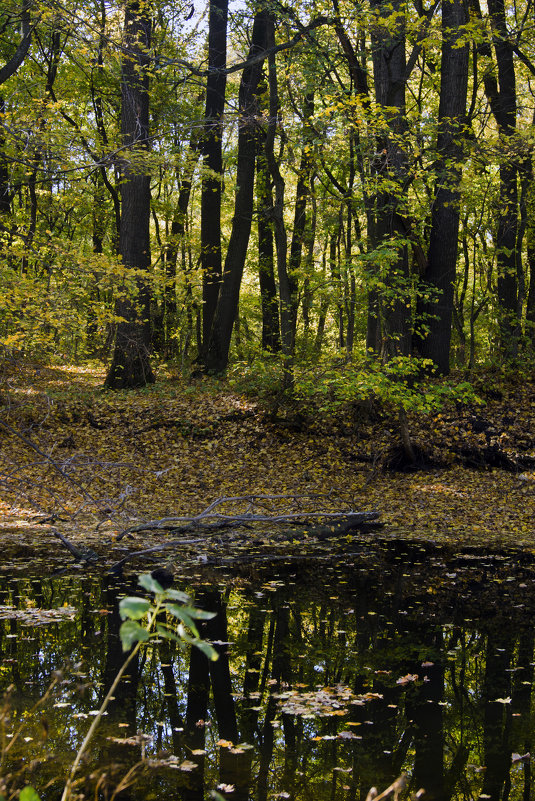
(130, 365)
(212, 150)
(266, 262)
(500, 88)
(442, 255)
(287, 289)
(227, 305)
(388, 313)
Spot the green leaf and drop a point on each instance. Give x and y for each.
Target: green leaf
(133, 608)
(130, 633)
(149, 583)
(200, 614)
(182, 614)
(28, 794)
(207, 649)
(176, 595)
(169, 634)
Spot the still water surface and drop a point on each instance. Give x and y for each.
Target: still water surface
(334, 675)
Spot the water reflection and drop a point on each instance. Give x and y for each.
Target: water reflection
(331, 678)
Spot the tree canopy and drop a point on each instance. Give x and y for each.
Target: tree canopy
(296, 181)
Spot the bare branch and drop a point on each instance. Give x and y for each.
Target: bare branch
(209, 518)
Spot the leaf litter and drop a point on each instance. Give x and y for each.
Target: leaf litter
(170, 450)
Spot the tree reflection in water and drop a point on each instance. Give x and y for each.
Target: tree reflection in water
(331, 678)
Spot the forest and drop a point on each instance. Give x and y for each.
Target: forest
(267, 442)
(270, 184)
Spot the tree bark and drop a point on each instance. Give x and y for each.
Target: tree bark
(442, 255)
(266, 261)
(23, 47)
(219, 344)
(300, 210)
(211, 147)
(503, 102)
(390, 304)
(130, 365)
(287, 290)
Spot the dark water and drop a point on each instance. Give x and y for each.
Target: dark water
(333, 676)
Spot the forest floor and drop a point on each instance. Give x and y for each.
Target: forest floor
(91, 463)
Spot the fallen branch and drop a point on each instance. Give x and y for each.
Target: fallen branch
(211, 518)
(87, 496)
(81, 555)
(172, 544)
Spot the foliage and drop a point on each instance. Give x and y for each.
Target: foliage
(335, 149)
(403, 382)
(174, 604)
(169, 603)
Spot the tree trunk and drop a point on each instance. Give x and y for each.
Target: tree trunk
(266, 262)
(392, 266)
(281, 243)
(503, 102)
(23, 20)
(530, 254)
(130, 365)
(211, 146)
(300, 217)
(5, 191)
(175, 246)
(219, 344)
(442, 255)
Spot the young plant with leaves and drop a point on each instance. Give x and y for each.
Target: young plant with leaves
(144, 620)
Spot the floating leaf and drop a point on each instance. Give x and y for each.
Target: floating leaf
(407, 679)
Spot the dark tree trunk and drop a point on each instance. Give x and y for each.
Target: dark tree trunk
(5, 190)
(497, 717)
(22, 21)
(266, 261)
(300, 216)
(389, 71)
(176, 245)
(287, 288)
(211, 146)
(503, 102)
(130, 365)
(218, 349)
(530, 254)
(442, 255)
(98, 108)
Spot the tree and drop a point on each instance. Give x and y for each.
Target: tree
(502, 96)
(227, 305)
(130, 365)
(212, 150)
(10, 19)
(442, 254)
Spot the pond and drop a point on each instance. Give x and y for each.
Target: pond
(335, 674)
